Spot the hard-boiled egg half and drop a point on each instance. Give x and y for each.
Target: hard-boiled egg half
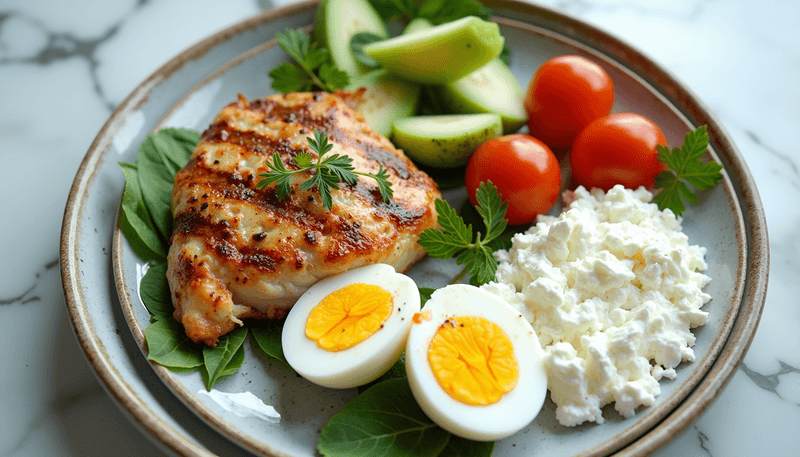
(348, 329)
(475, 364)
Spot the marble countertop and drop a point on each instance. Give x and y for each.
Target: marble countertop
(68, 64)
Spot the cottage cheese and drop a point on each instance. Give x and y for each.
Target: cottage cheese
(612, 288)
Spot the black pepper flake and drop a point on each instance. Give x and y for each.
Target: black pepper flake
(203, 206)
(193, 199)
(356, 224)
(311, 198)
(216, 162)
(260, 236)
(205, 196)
(311, 237)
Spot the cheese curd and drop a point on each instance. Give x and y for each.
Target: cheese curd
(612, 288)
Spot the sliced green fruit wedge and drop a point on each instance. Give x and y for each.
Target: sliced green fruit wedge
(445, 141)
(387, 99)
(490, 89)
(336, 23)
(440, 54)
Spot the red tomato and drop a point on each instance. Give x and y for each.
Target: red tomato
(617, 149)
(524, 170)
(565, 94)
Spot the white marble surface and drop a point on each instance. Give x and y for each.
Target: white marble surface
(64, 66)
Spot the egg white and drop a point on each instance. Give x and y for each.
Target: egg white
(515, 409)
(366, 360)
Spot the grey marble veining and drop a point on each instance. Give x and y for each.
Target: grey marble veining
(64, 67)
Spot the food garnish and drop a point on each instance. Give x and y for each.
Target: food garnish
(455, 238)
(685, 167)
(313, 70)
(328, 172)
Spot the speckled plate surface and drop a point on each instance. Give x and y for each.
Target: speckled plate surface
(187, 92)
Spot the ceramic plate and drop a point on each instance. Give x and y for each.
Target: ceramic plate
(188, 91)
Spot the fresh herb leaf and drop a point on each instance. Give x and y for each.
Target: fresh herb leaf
(134, 219)
(425, 294)
(384, 420)
(223, 360)
(357, 43)
(455, 238)
(267, 335)
(685, 168)
(168, 345)
(328, 172)
(441, 11)
(390, 10)
(314, 69)
(154, 290)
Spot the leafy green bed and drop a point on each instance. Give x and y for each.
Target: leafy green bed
(384, 419)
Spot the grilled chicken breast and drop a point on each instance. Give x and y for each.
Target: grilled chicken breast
(238, 252)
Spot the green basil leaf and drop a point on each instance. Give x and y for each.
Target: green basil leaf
(220, 361)
(267, 335)
(135, 221)
(462, 447)
(385, 420)
(168, 345)
(155, 293)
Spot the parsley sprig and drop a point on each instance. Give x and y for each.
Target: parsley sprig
(328, 172)
(313, 71)
(685, 168)
(455, 238)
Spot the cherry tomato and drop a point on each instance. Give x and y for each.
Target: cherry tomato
(565, 94)
(617, 149)
(524, 170)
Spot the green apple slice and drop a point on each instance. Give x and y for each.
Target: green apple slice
(387, 99)
(490, 89)
(336, 23)
(439, 54)
(445, 141)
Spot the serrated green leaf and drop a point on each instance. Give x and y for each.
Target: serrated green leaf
(168, 345)
(383, 421)
(288, 78)
(220, 361)
(295, 43)
(154, 290)
(303, 160)
(334, 78)
(452, 224)
(492, 209)
(438, 244)
(685, 168)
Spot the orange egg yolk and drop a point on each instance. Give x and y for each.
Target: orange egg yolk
(348, 316)
(473, 360)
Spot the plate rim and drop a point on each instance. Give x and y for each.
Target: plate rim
(741, 332)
